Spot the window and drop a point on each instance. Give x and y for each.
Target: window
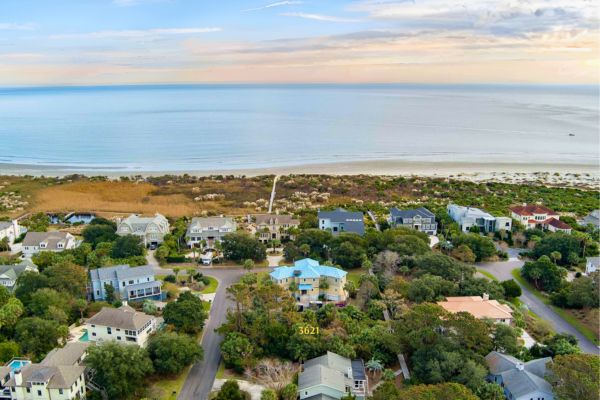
(109, 330)
(93, 333)
(118, 337)
(60, 391)
(28, 390)
(39, 392)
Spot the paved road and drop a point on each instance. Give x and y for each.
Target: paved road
(502, 271)
(200, 380)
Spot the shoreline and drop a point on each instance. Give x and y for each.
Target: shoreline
(375, 167)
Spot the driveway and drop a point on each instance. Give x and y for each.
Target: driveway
(502, 271)
(199, 381)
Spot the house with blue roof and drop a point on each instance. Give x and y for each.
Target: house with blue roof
(308, 281)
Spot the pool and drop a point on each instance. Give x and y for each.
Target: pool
(18, 364)
(84, 337)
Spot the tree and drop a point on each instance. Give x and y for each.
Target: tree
(483, 247)
(28, 283)
(374, 366)
(98, 233)
(8, 351)
(506, 339)
(38, 336)
(127, 246)
(575, 376)
(463, 253)
(248, 264)
(149, 307)
(37, 222)
(67, 277)
(230, 391)
(568, 246)
(442, 391)
(109, 293)
(119, 369)
(171, 352)
(50, 304)
(544, 273)
(490, 391)
(512, 290)
(555, 256)
(186, 314)
(240, 246)
(289, 392)
(388, 375)
(236, 350)
(268, 394)
(11, 309)
(444, 266)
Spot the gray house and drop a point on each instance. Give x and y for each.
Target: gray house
(10, 273)
(130, 283)
(151, 230)
(332, 376)
(520, 381)
(209, 229)
(340, 220)
(420, 219)
(55, 241)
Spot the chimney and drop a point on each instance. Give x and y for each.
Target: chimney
(520, 366)
(18, 377)
(486, 297)
(350, 373)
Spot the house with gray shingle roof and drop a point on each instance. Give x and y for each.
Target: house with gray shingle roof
(10, 273)
(520, 381)
(35, 242)
(151, 230)
(420, 219)
(123, 324)
(340, 220)
(130, 283)
(209, 230)
(332, 376)
(60, 376)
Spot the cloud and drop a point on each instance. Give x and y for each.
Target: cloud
(498, 17)
(276, 4)
(318, 17)
(129, 34)
(11, 26)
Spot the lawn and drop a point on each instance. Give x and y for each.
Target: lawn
(169, 387)
(487, 274)
(354, 276)
(211, 287)
(573, 319)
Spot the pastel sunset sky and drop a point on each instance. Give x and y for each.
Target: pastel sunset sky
(83, 42)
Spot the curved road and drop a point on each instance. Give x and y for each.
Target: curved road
(502, 270)
(200, 380)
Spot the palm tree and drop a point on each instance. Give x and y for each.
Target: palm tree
(555, 256)
(374, 366)
(388, 375)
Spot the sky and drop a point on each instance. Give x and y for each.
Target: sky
(98, 42)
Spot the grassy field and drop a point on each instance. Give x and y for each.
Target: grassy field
(582, 320)
(354, 276)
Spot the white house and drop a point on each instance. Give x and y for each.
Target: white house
(209, 229)
(592, 264)
(10, 230)
(123, 324)
(151, 230)
(60, 376)
(11, 272)
(35, 242)
(535, 216)
(467, 217)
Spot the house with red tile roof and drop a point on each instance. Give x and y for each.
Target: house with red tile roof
(534, 216)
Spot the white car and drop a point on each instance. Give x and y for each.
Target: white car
(207, 258)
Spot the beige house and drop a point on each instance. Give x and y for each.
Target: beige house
(123, 324)
(308, 281)
(60, 376)
(274, 227)
(479, 307)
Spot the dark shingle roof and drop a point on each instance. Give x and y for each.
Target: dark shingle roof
(422, 211)
(352, 220)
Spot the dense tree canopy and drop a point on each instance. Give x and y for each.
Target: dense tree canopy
(575, 376)
(186, 314)
(240, 246)
(171, 352)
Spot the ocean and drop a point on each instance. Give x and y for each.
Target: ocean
(222, 127)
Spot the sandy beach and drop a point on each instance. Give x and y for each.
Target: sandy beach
(575, 174)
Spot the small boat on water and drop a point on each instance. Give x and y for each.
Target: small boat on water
(571, 134)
